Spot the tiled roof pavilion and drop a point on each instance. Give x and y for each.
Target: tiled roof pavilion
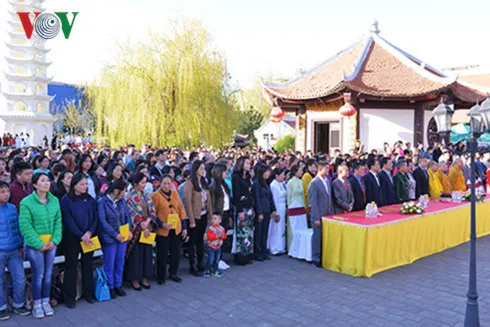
(374, 67)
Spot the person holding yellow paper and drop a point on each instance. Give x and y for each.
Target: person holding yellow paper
(167, 202)
(40, 218)
(139, 259)
(80, 222)
(113, 213)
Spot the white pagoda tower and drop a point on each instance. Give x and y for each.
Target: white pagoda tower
(24, 99)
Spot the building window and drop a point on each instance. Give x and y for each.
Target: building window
(20, 70)
(40, 89)
(19, 54)
(335, 139)
(20, 41)
(20, 88)
(38, 71)
(19, 30)
(39, 57)
(41, 108)
(20, 106)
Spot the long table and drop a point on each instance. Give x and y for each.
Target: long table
(362, 247)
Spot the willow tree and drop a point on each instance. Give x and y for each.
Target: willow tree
(170, 91)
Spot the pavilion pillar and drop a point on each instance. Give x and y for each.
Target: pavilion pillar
(418, 124)
(301, 129)
(349, 124)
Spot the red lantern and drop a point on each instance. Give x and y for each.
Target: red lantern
(277, 114)
(347, 110)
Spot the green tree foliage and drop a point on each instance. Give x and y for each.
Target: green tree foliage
(171, 91)
(253, 97)
(77, 118)
(286, 143)
(248, 121)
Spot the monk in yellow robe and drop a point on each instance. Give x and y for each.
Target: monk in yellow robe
(456, 176)
(444, 179)
(435, 187)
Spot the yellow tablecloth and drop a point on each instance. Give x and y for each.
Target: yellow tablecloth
(363, 251)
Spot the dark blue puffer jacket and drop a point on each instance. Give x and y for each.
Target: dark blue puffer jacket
(10, 238)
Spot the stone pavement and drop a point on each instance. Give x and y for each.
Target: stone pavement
(286, 292)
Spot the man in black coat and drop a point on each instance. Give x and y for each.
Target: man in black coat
(372, 184)
(358, 187)
(386, 181)
(421, 177)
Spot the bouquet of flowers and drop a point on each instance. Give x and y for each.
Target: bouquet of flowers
(411, 208)
(478, 195)
(371, 210)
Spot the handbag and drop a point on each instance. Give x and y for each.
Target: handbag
(102, 292)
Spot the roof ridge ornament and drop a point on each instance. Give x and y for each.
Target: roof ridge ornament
(374, 27)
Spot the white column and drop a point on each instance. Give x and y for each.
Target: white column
(348, 134)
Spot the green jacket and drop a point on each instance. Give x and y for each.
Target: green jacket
(37, 218)
(401, 187)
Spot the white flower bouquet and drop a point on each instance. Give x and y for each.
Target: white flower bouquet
(409, 208)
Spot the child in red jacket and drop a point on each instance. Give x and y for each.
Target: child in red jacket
(215, 235)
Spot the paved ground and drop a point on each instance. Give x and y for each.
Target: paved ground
(285, 292)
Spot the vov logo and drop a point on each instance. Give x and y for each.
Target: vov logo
(47, 25)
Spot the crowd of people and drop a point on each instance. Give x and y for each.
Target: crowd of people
(55, 199)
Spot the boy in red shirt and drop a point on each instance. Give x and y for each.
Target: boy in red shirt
(215, 235)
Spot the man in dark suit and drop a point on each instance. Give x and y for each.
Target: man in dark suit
(401, 182)
(386, 181)
(343, 199)
(358, 188)
(421, 177)
(320, 200)
(373, 186)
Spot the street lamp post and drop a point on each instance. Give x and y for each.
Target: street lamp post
(479, 122)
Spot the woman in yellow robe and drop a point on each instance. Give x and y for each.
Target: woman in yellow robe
(435, 187)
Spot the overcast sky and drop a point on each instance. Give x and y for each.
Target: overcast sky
(269, 37)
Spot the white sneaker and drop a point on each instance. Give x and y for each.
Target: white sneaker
(223, 265)
(37, 311)
(48, 310)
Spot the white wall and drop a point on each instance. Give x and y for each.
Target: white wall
(279, 130)
(427, 117)
(385, 125)
(320, 116)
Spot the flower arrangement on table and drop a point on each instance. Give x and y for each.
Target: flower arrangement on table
(371, 210)
(411, 208)
(479, 196)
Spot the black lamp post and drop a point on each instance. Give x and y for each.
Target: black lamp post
(479, 121)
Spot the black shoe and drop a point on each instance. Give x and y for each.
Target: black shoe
(136, 288)
(161, 282)
(268, 258)
(4, 315)
(146, 287)
(318, 264)
(113, 294)
(195, 272)
(259, 259)
(120, 292)
(176, 278)
(90, 300)
(22, 311)
(70, 305)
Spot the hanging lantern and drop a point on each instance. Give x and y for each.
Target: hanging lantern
(347, 110)
(277, 114)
